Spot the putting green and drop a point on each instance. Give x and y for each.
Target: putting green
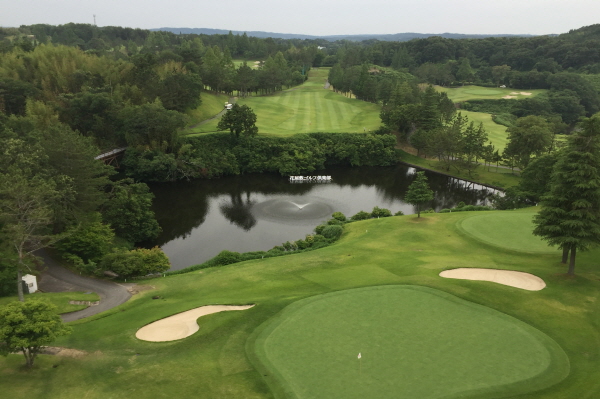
(509, 230)
(415, 342)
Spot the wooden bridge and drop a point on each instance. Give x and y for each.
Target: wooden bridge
(110, 157)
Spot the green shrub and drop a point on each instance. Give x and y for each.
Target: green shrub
(139, 262)
(339, 216)
(362, 215)
(445, 210)
(319, 228)
(227, 258)
(334, 222)
(378, 212)
(399, 213)
(333, 232)
(505, 119)
(302, 244)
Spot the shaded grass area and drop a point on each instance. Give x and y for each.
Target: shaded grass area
(414, 342)
(466, 93)
(308, 108)
(497, 134)
(58, 299)
(214, 362)
(497, 177)
(212, 104)
(509, 230)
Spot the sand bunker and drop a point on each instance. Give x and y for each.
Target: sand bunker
(524, 93)
(509, 97)
(180, 325)
(511, 278)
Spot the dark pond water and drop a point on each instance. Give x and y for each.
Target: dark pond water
(201, 218)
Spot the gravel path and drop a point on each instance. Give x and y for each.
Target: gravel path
(58, 279)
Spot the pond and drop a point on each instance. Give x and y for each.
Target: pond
(200, 218)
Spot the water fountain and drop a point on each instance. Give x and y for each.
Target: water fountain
(309, 210)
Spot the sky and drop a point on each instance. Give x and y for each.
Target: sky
(315, 17)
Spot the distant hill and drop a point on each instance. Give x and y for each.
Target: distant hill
(396, 37)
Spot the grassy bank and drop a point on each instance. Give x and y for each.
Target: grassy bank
(58, 299)
(495, 176)
(215, 361)
(212, 104)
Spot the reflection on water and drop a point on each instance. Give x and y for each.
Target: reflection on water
(257, 212)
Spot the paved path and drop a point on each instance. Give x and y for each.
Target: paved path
(58, 279)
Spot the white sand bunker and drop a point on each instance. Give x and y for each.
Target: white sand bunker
(509, 97)
(511, 278)
(525, 93)
(181, 325)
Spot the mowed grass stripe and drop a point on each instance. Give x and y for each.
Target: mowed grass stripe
(292, 110)
(336, 116)
(319, 123)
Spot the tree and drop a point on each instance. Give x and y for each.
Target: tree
(240, 119)
(570, 214)
(465, 72)
(28, 326)
(499, 73)
(26, 198)
(151, 126)
(90, 241)
(128, 211)
(531, 136)
(419, 192)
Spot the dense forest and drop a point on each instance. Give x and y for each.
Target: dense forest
(68, 92)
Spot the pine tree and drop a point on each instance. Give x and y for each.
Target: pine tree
(419, 192)
(570, 214)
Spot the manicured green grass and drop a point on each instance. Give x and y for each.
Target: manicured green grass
(211, 105)
(509, 230)
(415, 342)
(497, 134)
(250, 63)
(307, 108)
(217, 361)
(497, 177)
(58, 299)
(466, 93)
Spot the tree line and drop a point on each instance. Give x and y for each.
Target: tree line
(216, 155)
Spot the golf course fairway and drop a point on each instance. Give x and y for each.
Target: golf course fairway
(415, 342)
(224, 359)
(508, 230)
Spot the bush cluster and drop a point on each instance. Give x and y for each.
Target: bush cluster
(461, 207)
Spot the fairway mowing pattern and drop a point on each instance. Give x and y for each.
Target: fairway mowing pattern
(415, 342)
(306, 109)
(508, 230)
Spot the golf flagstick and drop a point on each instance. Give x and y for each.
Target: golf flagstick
(359, 364)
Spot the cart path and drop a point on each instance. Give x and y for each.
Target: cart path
(59, 279)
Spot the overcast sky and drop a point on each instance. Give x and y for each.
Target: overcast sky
(315, 17)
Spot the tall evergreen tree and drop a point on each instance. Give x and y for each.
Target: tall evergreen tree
(419, 192)
(570, 214)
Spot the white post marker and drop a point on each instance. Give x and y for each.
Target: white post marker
(359, 364)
